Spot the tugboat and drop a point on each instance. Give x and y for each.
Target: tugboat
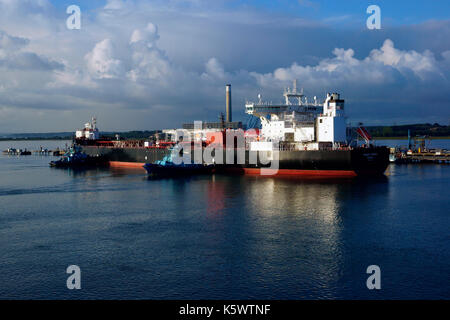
(167, 168)
(74, 158)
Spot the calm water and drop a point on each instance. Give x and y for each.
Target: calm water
(221, 237)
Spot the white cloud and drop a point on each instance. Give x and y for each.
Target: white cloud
(419, 63)
(181, 61)
(115, 5)
(101, 62)
(14, 56)
(148, 36)
(382, 66)
(214, 69)
(10, 44)
(72, 78)
(149, 62)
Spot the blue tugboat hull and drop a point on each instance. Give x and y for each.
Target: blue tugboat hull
(79, 164)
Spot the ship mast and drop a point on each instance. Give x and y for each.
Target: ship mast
(293, 97)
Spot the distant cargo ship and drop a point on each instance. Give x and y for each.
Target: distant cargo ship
(308, 139)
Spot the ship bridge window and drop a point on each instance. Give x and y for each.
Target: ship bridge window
(320, 120)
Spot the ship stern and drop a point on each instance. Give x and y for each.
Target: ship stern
(372, 161)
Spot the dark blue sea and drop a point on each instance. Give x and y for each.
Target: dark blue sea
(221, 237)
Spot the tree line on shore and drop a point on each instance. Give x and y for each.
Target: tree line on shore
(424, 129)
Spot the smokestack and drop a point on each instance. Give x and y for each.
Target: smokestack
(229, 117)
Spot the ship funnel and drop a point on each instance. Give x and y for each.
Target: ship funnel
(228, 103)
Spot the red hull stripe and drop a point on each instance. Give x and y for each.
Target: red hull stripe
(295, 172)
(255, 171)
(120, 164)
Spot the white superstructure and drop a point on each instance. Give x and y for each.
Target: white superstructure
(89, 132)
(302, 125)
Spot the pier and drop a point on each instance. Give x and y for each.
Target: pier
(418, 151)
(41, 152)
(439, 157)
(17, 152)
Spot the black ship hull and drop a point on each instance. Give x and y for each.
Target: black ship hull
(327, 163)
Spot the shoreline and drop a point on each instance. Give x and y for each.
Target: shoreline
(70, 139)
(35, 139)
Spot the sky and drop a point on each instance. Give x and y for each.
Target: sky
(155, 64)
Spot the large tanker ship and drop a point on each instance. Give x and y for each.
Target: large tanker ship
(309, 139)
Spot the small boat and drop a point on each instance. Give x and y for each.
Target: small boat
(74, 158)
(392, 157)
(25, 153)
(17, 152)
(166, 167)
(10, 151)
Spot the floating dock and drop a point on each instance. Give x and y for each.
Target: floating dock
(17, 152)
(439, 157)
(41, 152)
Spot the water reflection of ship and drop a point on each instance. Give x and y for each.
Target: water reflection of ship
(216, 197)
(279, 210)
(295, 195)
(92, 172)
(275, 195)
